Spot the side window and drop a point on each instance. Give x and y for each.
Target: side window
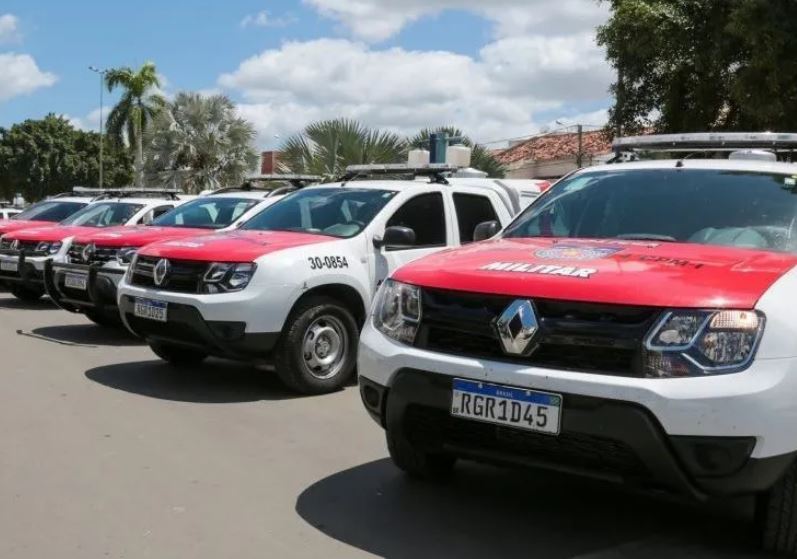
(472, 210)
(425, 215)
(157, 212)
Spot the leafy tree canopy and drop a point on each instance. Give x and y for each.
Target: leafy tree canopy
(327, 147)
(198, 143)
(43, 157)
(692, 65)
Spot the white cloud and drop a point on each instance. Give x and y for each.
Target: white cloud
(377, 20)
(90, 122)
(9, 28)
(494, 95)
(21, 75)
(265, 19)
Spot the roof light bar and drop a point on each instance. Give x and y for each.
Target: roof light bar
(707, 141)
(401, 169)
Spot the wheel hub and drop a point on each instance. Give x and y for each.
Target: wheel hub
(325, 347)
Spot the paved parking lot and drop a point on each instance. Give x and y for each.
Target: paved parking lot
(108, 453)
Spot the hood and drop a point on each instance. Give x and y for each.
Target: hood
(606, 271)
(9, 225)
(138, 236)
(48, 234)
(236, 246)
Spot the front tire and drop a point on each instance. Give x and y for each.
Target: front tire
(777, 515)
(177, 355)
(27, 294)
(416, 463)
(317, 352)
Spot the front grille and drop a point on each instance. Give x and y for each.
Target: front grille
(433, 428)
(573, 336)
(184, 276)
(98, 254)
(28, 248)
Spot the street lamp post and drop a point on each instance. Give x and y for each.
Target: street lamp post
(101, 73)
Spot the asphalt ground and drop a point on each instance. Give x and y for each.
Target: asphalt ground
(107, 452)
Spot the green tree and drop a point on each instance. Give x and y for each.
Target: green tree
(327, 147)
(137, 107)
(198, 142)
(481, 158)
(43, 157)
(690, 65)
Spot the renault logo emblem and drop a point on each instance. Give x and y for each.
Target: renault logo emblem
(161, 271)
(88, 252)
(516, 327)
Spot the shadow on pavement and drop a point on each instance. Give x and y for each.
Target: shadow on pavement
(490, 512)
(12, 303)
(213, 382)
(89, 334)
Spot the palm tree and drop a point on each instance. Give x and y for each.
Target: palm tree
(481, 158)
(135, 110)
(327, 147)
(199, 143)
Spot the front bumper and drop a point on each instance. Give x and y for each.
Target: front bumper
(669, 426)
(611, 440)
(101, 285)
(188, 328)
(28, 269)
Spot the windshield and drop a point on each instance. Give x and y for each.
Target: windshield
(337, 212)
(730, 208)
(50, 211)
(105, 214)
(207, 213)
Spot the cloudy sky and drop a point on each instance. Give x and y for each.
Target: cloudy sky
(497, 68)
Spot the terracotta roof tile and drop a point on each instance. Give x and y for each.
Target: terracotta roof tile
(556, 146)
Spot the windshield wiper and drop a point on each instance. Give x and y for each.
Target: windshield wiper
(647, 237)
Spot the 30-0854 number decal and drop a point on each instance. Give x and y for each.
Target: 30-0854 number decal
(330, 262)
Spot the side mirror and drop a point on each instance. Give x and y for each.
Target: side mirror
(486, 230)
(396, 237)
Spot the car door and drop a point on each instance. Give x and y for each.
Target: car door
(472, 207)
(428, 215)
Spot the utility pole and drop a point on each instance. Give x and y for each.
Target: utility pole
(101, 73)
(580, 155)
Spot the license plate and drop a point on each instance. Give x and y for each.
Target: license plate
(9, 265)
(75, 281)
(504, 405)
(151, 310)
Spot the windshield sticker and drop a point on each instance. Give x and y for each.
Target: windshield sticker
(544, 269)
(575, 252)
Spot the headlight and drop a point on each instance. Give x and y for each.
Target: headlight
(49, 248)
(224, 277)
(397, 313)
(698, 343)
(124, 256)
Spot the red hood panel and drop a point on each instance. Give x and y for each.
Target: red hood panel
(138, 236)
(50, 234)
(601, 271)
(237, 246)
(9, 225)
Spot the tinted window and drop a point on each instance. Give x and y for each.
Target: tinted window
(157, 212)
(207, 213)
(50, 211)
(338, 212)
(733, 208)
(472, 210)
(425, 215)
(104, 214)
